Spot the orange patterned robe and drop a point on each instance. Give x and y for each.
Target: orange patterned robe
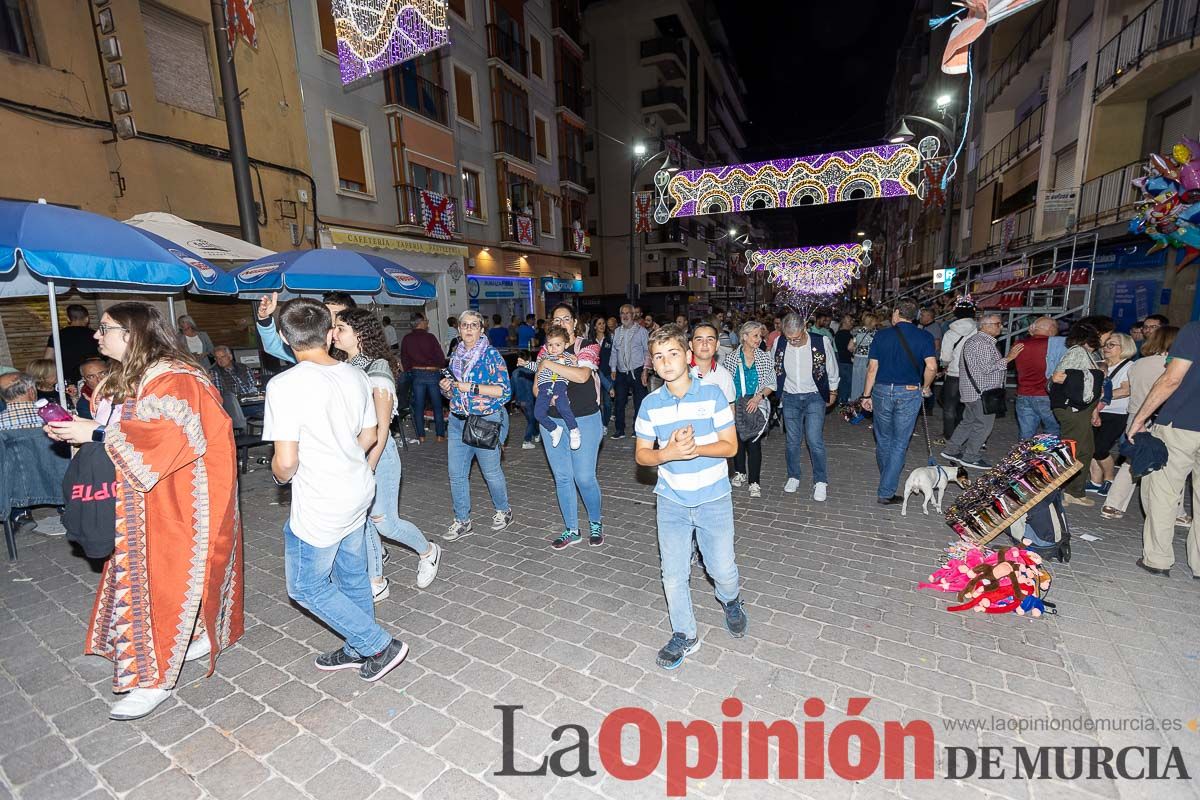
(178, 546)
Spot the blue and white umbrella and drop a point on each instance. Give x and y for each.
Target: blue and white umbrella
(328, 270)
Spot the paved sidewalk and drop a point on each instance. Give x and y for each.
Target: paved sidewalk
(571, 636)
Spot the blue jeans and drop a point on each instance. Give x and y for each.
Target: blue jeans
(804, 421)
(459, 457)
(384, 520)
(425, 388)
(555, 393)
(332, 583)
(522, 389)
(1033, 412)
(606, 401)
(713, 526)
(576, 469)
(845, 381)
(896, 409)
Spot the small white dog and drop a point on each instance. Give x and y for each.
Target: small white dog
(931, 482)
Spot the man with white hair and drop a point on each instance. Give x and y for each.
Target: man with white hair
(1034, 414)
(981, 369)
(629, 354)
(806, 366)
(19, 391)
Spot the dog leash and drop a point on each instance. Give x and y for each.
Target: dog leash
(928, 442)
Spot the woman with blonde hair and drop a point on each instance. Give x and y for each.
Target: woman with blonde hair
(1112, 413)
(46, 375)
(172, 590)
(861, 338)
(753, 371)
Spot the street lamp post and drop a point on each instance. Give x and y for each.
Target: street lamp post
(639, 162)
(903, 134)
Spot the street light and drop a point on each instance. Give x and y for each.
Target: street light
(861, 234)
(903, 134)
(639, 149)
(943, 102)
(639, 162)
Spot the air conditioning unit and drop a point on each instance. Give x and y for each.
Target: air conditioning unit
(652, 256)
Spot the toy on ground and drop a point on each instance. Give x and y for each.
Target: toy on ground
(1014, 580)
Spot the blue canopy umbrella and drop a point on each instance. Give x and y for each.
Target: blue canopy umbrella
(62, 245)
(328, 270)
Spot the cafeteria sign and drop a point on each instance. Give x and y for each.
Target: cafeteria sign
(562, 285)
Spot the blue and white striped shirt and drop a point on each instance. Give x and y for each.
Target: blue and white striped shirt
(702, 479)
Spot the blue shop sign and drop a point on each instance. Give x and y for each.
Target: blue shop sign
(1130, 256)
(480, 288)
(562, 285)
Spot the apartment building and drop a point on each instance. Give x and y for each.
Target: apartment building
(662, 77)
(1071, 96)
(115, 108)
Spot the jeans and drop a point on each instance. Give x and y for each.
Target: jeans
(576, 469)
(625, 384)
(804, 421)
(332, 583)
(713, 526)
(1032, 413)
(972, 433)
(425, 388)
(459, 457)
(384, 520)
(896, 409)
(557, 393)
(522, 389)
(952, 407)
(845, 382)
(606, 401)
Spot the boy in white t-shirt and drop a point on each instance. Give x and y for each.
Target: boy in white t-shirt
(321, 417)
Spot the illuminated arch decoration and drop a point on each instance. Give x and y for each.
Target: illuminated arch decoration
(820, 270)
(882, 171)
(373, 35)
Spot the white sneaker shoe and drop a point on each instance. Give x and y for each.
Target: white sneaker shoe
(457, 530)
(199, 648)
(528, 445)
(555, 436)
(755, 490)
(380, 591)
(819, 491)
(138, 703)
(792, 485)
(738, 480)
(501, 520)
(427, 567)
(575, 438)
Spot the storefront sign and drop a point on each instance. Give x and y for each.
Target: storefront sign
(562, 285)
(382, 241)
(480, 288)
(1060, 200)
(1133, 300)
(1129, 256)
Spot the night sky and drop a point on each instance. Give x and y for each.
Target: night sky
(817, 76)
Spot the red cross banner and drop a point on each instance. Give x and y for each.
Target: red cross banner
(643, 202)
(525, 229)
(239, 15)
(437, 214)
(934, 169)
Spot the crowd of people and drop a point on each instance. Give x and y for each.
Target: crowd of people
(163, 403)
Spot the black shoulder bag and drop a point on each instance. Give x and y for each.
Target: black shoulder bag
(481, 432)
(995, 401)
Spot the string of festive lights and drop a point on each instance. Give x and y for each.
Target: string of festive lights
(817, 270)
(373, 35)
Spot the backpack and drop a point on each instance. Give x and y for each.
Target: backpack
(1044, 529)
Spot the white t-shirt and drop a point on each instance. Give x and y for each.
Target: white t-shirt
(194, 345)
(324, 408)
(797, 363)
(719, 377)
(1119, 378)
(389, 334)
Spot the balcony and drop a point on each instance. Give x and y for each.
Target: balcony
(1109, 198)
(1015, 144)
(1030, 42)
(570, 96)
(667, 54)
(508, 49)
(576, 242)
(513, 141)
(668, 102)
(1156, 45)
(572, 171)
(672, 236)
(1021, 232)
(437, 215)
(519, 229)
(566, 19)
(409, 90)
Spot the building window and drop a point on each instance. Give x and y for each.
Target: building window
(546, 209)
(536, 62)
(326, 26)
(178, 52)
(350, 148)
(541, 137)
(464, 96)
(431, 179)
(16, 29)
(472, 194)
(1174, 126)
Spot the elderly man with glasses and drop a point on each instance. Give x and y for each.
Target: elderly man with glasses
(630, 350)
(982, 369)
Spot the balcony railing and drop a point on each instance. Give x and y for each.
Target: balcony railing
(519, 229)
(1030, 41)
(1164, 22)
(570, 96)
(1021, 233)
(666, 96)
(566, 18)
(1027, 133)
(407, 89)
(662, 46)
(440, 215)
(571, 170)
(576, 240)
(508, 49)
(673, 233)
(513, 141)
(1110, 197)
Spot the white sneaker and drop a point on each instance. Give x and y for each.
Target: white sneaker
(138, 703)
(819, 491)
(528, 445)
(738, 480)
(199, 648)
(501, 520)
(555, 436)
(457, 530)
(792, 485)
(575, 438)
(537, 438)
(755, 490)
(427, 567)
(380, 591)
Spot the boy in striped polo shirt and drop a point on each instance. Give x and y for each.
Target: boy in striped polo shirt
(693, 425)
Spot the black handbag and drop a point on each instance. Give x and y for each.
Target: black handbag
(90, 503)
(481, 432)
(995, 401)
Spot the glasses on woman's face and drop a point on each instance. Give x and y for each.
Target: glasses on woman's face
(565, 322)
(104, 328)
(469, 326)
(1111, 345)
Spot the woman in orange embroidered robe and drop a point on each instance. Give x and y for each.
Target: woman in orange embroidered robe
(172, 590)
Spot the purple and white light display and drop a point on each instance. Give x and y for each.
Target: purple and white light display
(818, 270)
(373, 35)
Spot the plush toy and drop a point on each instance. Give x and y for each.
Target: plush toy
(1014, 580)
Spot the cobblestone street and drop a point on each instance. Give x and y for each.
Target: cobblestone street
(572, 635)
